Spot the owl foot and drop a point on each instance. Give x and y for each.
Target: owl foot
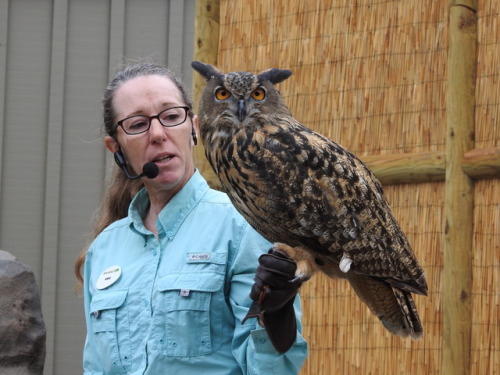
(306, 265)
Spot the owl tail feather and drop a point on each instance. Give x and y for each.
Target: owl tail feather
(411, 321)
(395, 308)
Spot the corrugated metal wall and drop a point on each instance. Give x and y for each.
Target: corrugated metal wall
(56, 57)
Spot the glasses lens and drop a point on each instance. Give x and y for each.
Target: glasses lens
(136, 124)
(172, 116)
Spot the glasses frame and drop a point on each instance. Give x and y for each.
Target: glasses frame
(150, 118)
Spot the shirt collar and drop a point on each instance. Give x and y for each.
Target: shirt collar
(174, 213)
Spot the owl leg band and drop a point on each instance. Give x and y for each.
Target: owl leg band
(273, 294)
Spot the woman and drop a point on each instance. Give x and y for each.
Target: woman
(167, 278)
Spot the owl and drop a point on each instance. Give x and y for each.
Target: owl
(315, 200)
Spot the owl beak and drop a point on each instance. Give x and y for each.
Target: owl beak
(241, 109)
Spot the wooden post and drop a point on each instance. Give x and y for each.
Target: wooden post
(459, 189)
(206, 48)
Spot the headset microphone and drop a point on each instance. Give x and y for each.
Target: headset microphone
(150, 169)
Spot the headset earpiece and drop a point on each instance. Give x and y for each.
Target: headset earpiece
(120, 159)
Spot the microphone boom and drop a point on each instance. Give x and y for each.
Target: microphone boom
(150, 169)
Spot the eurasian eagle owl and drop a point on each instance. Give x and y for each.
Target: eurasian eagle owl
(310, 196)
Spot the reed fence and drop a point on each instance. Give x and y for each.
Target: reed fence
(413, 90)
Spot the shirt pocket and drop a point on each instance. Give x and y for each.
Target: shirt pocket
(186, 327)
(110, 330)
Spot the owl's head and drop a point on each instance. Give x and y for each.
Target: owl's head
(239, 99)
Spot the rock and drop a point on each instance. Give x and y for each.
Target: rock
(22, 329)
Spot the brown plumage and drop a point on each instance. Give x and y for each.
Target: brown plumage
(311, 197)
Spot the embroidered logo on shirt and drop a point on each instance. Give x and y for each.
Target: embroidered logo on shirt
(199, 257)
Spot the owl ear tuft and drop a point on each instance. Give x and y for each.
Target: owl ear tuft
(275, 75)
(206, 70)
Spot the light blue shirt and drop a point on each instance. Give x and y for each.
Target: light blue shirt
(178, 303)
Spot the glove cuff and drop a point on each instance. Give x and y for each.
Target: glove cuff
(281, 327)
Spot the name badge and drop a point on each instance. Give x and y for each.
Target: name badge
(108, 277)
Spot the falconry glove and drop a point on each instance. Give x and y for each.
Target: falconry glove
(273, 294)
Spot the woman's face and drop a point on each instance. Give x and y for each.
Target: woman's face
(169, 148)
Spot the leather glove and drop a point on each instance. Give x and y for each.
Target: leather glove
(273, 294)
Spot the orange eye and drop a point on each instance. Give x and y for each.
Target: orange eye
(259, 94)
(222, 94)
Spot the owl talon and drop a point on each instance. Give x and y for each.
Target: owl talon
(299, 280)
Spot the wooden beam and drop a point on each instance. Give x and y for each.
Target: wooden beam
(407, 168)
(482, 163)
(206, 43)
(423, 167)
(459, 189)
(206, 48)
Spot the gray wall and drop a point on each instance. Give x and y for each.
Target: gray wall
(56, 57)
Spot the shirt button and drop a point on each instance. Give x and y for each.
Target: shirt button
(261, 340)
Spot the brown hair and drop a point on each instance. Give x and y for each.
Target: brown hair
(119, 189)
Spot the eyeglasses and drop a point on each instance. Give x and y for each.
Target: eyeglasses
(140, 124)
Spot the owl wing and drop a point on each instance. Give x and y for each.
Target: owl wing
(298, 187)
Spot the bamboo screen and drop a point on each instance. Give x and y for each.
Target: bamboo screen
(372, 75)
(485, 344)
